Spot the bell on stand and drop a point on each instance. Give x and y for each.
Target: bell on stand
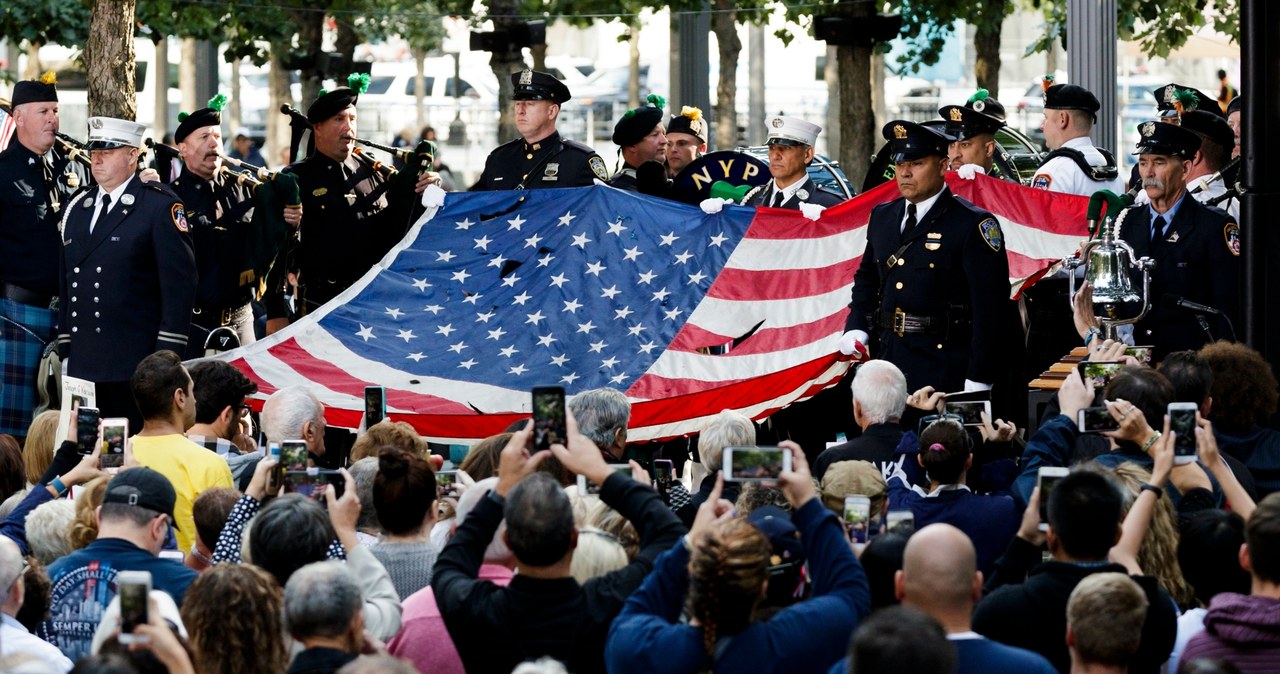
(1108, 261)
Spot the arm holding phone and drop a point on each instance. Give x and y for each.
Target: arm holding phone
(1054, 441)
(1138, 520)
(1207, 446)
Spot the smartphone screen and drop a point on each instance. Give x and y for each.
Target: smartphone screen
(275, 477)
(1182, 421)
(970, 412)
(375, 405)
(114, 433)
(134, 590)
(1097, 420)
(446, 483)
(857, 512)
(1048, 479)
(86, 429)
(1097, 374)
(896, 519)
(1140, 353)
(663, 470)
(747, 464)
(549, 426)
(294, 455)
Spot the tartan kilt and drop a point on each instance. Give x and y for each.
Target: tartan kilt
(20, 357)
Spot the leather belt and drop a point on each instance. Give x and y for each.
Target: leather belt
(216, 317)
(23, 296)
(902, 323)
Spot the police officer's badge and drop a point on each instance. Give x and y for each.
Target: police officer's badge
(1170, 95)
(991, 233)
(552, 172)
(899, 132)
(526, 77)
(956, 115)
(1232, 234)
(597, 167)
(777, 122)
(1148, 129)
(179, 218)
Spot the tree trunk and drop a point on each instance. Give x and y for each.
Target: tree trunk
(539, 53)
(109, 59)
(11, 53)
(504, 61)
(857, 119)
(160, 97)
(420, 87)
(345, 43)
(633, 67)
(234, 114)
(310, 36)
(32, 71)
(986, 46)
(277, 151)
(724, 23)
(187, 75)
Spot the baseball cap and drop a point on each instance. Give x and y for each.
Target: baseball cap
(144, 488)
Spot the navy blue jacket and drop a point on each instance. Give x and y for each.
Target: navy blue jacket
(28, 218)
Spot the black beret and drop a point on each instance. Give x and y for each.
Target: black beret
(1211, 127)
(1167, 139)
(43, 90)
(1234, 105)
(981, 101)
(636, 124)
(908, 140)
(1167, 99)
(965, 122)
(331, 103)
(689, 121)
(1070, 97)
(531, 85)
(197, 120)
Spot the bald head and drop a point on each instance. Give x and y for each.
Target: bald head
(939, 572)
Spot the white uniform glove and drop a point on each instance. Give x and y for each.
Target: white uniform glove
(970, 385)
(854, 342)
(713, 205)
(968, 171)
(433, 196)
(812, 211)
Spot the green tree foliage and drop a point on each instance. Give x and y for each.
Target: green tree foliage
(1158, 26)
(45, 21)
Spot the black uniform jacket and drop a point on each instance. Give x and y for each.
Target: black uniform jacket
(126, 289)
(551, 162)
(763, 196)
(956, 269)
(29, 248)
(1199, 260)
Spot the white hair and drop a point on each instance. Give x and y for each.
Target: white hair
(10, 564)
(599, 413)
(49, 530)
(497, 552)
(287, 411)
(881, 389)
(543, 665)
(728, 429)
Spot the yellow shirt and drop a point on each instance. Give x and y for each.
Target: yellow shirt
(190, 468)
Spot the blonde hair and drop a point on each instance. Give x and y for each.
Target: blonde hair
(37, 449)
(727, 573)
(1158, 554)
(387, 433)
(728, 429)
(1105, 613)
(598, 553)
(84, 529)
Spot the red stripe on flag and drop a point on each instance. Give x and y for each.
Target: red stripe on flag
(749, 285)
(764, 340)
(776, 223)
(1051, 212)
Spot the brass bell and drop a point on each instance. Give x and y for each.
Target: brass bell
(1108, 273)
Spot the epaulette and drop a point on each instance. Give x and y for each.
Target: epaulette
(575, 145)
(971, 207)
(163, 189)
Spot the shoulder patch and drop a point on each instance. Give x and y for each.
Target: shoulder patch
(179, 218)
(1232, 234)
(991, 234)
(1041, 181)
(597, 167)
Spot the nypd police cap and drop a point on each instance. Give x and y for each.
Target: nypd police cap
(531, 85)
(908, 140)
(1167, 139)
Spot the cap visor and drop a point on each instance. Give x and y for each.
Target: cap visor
(785, 141)
(104, 145)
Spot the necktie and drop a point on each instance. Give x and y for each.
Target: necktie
(1157, 232)
(778, 198)
(911, 221)
(102, 212)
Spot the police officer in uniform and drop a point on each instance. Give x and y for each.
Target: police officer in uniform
(1196, 247)
(540, 157)
(974, 131)
(686, 139)
(220, 212)
(353, 212)
(127, 283)
(36, 180)
(641, 139)
(790, 143)
(933, 284)
(1074, 165)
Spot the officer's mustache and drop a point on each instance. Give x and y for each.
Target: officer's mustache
(1153, 182)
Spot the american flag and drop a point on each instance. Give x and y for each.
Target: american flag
(7, 127)
(497, 292)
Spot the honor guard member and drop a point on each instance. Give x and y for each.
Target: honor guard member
(933, 284)
(1196, 247)
(354, 209)
(790, 143)
(127, 283)
(686, 139)
(640, 138)
(974, 130)
(220, 212)
(1173, 100)
(1073, 165)
(1204, 183)
(540, 157)
(36, 181)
